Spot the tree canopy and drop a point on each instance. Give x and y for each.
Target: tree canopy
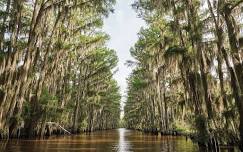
(55, 67)
(188, 70)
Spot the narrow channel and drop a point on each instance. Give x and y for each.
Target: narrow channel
(118, 140)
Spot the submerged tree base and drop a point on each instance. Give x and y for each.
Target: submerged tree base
(212, 145)
(49, 131)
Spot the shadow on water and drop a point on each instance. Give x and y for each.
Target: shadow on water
(119, 140)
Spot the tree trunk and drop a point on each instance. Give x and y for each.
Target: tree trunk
(238, 78)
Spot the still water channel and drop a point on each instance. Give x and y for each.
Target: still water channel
(119, 140)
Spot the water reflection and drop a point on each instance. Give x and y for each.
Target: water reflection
(120, 140)
(123, 144)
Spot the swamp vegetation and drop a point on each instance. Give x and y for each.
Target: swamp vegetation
(188, 71)
(55, 69)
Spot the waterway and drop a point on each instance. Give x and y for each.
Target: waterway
(118, 140)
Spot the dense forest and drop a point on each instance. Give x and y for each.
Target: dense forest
(55, 69)
(188, 70)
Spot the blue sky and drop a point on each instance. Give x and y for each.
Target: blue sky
(123, 26)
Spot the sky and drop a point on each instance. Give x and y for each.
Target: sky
(123, 26)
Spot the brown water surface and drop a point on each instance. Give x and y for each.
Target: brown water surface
(119, 140)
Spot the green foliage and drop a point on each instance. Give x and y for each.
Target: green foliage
(182, 78)
(138, 83)
(57, 65)
(2, 55)
(182, 127)
(26, 114)
(202, 129)
(48, 99)
(174, 50)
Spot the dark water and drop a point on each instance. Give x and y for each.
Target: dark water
(120, 140)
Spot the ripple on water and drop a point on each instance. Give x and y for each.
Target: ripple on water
(120, 140)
